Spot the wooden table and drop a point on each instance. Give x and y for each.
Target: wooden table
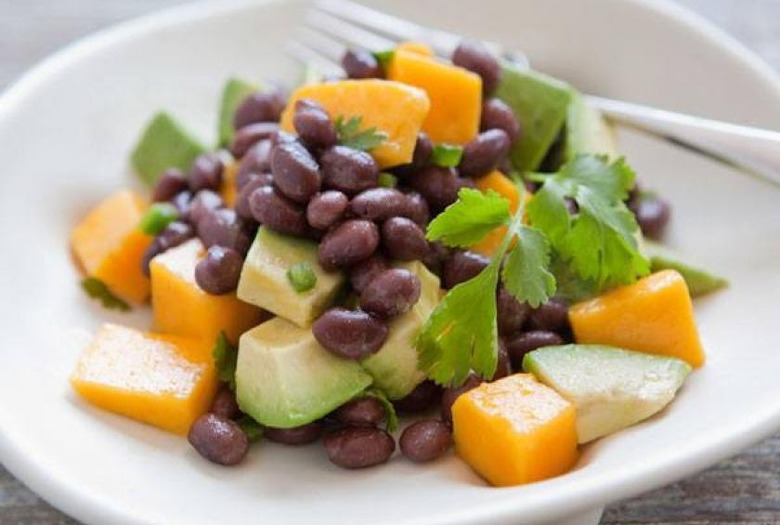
(744, 489)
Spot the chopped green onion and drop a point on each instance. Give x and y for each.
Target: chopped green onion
(446, 155)
(157, 217)
(387, 180)
(384, 57)
(301, 276)
(97, 289)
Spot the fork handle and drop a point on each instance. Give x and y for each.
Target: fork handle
(754, 150)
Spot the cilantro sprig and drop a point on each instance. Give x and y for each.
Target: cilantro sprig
(97, 289)
(352, 136)
(225, 357)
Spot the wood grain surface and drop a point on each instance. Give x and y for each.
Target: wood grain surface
(744, 489)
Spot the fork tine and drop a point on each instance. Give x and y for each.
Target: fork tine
(345, 31)
(306, 55)
(324, 44)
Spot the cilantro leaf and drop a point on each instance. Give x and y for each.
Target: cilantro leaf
(252, 429)
(470, 218)
(390, 414)
(526, 273)
(461, 333)
(97, 289)
(225, 358)
(351, 136)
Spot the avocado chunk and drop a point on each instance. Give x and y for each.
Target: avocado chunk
(587, 131)
(234, 92)
(285, 379)
(264, 281)
(164, 144)
(541, 104)
(394, 368)
(611, 388)
(700, 282)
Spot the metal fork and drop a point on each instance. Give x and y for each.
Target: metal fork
(333, 26)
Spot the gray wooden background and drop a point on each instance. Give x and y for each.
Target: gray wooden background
(744, 489)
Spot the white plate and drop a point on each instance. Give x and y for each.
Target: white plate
(65, 131)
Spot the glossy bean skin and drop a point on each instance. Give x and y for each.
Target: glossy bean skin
(326, 209)
(425, 440)
(296, 173)
(225, 404)
(652, 214)
(361, 274)
(437, 254)
(254, 182)
(359, 447)
(349, 243)
(256, 160)
(294, 436)
(362, 412)
(503, 362)
(250, 135)
(218, 439)
(484, 153)
(391, 293)
(259, 107)
(511, 313)
(423, 149)
(313, 124)
(475, 57)
(222, 227)
(378, 204)
(170, 182)
(348, 170)
(350, 334)
(206, 173)
(520, 344)
(360, 64)
(424, 397)
(218, 272)
(181, 201)
(552, 316)
(203, 203)
(449, 396)
(496, 114)
(277, 212)
(439, 186)
(415, 208)
(461, 266)
(403, 239)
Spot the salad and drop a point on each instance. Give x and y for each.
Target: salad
(455, 245)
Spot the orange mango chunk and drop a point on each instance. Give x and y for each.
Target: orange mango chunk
(415, 47)
(455, 94)
(181, 308)
(162, 380)
(228, 189)
(503, 185)
(653, 315)
(393, 108)
(109, 246)
(515, 431)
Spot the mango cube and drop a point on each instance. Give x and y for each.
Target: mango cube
(109, 246)
(653, 315)
(181, 308)
(162, 380)
(515, 430)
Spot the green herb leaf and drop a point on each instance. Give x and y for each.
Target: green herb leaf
(470, 218)
(225, 358)
(384, 57)
(252, 429)
(301, 277)
(157, 217)
(97, 289)
(351, 136)
(387, 180)
(391, 415)
(526, 272)
(446, 155)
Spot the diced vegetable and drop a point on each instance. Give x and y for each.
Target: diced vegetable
(182, 308)
(700, 282)
(415, 47)
(454, 92)
(653, 315)
(234, 92)
(163, 380)
(504, 186)
(515, 430)
(157, 217)
(587, 131)
(446, 155)
(395, 109)
(109, 246)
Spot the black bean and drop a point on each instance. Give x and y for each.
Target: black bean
(222, 227)
(294, 436)
(225, 404)
(652, 214)
(461, 266)
(171, 182)
(552, 316)
(256, 160)
(362, 412)
(326, 209)
(521, 344)
(218, 272)
(283, 137)
(360, 64)
(422, 398)
(449, 395)
(423, 149)
(503, 363)
(361, 274)
(439, 186)
(349, 243)
(173, 235)
(484, 153)
(277, 212)
(218, 439)
(359, 447)
(348, 170)
(392, 293)
(204, 202)
(351, 334)
(511, 313)
(313, 124)
(425, 440)
(181, 201)
(254, 182)
(259, 107)
(296, 173)
(415, 207)
(250, 135)
(437, 254)
(496, 114)
(206, 173)
(403, 240)
(378, 204)
(475, 57)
